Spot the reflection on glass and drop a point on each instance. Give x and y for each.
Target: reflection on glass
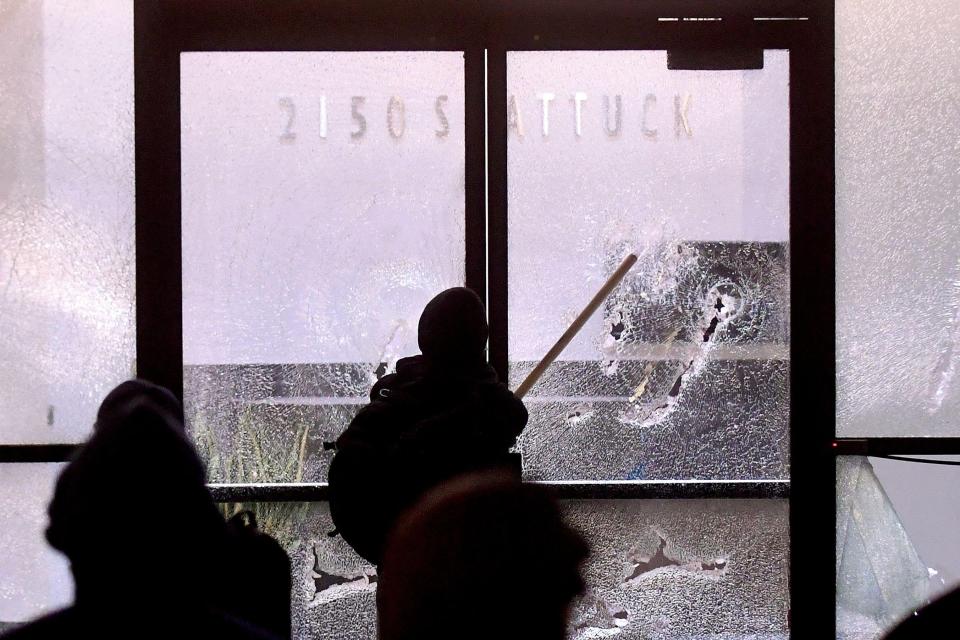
(684, 372)
(323, 206)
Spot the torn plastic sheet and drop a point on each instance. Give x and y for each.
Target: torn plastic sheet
(880, 576)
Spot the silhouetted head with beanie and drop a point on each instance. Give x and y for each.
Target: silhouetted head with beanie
(134, 495)
(160, 398)
(453, 328)
(150, 554)
(483, 556)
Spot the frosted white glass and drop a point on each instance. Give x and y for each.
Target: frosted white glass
(898, 218)
(323, 206)
(684, 372)
(67, 329)
(299, 248)
(35, 578)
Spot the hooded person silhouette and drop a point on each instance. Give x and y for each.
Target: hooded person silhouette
(441, 414)
(144, 539)
(483, 556)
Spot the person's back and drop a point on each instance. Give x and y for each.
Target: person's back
(256, 577)
(132, 514)
(120, 623)
(483, 556)
(441, 414)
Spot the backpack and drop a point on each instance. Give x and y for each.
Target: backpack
(412, 437)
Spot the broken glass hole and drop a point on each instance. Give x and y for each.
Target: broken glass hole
(661, 559)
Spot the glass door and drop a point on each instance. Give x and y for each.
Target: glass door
(683, 375)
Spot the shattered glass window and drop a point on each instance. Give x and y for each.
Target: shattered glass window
(684, 372)
(67, 265)
(898, 207)
(880, 575)
(323, 206)
(660, 570)
(36, 579)
(333, 587)
(926, 520)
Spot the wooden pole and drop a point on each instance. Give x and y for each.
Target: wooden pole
(577, 324)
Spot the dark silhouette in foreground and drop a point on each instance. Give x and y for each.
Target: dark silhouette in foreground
(256, 579)
(482, 557)
(936, 620)
(146, 543)
(443, 413)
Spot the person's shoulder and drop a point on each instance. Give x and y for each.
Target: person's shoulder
(409, 372)
(58, 624)
(496, 391)
(227, 626)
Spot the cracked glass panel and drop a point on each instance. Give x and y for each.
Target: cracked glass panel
(880, 576)
(683, 569)
(683, 373)
(660, 570)
(323, 206)
(67, 328)
(35, 578)
(334, 589)
(898, 206)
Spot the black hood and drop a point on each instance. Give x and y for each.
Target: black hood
(132, 390)
(453, 328)
(134, 493)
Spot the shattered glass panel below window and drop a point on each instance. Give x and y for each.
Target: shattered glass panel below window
(333, 588)
(880, 576)
(684, 569)
(660, 570)
(898, 218)
(684, 371)
(323, 206)
(67, 303)
(34, 579)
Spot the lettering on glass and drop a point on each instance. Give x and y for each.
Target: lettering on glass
(546, 99)
(649, 102)
(514, 121)
(681, 109)
(444, 130)
(355, 103)
(611, 115)
(290, 114)
(396, 118)
(578, 99)
(617, 118)
(323, 117)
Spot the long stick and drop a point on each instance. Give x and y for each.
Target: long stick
(577, 324)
